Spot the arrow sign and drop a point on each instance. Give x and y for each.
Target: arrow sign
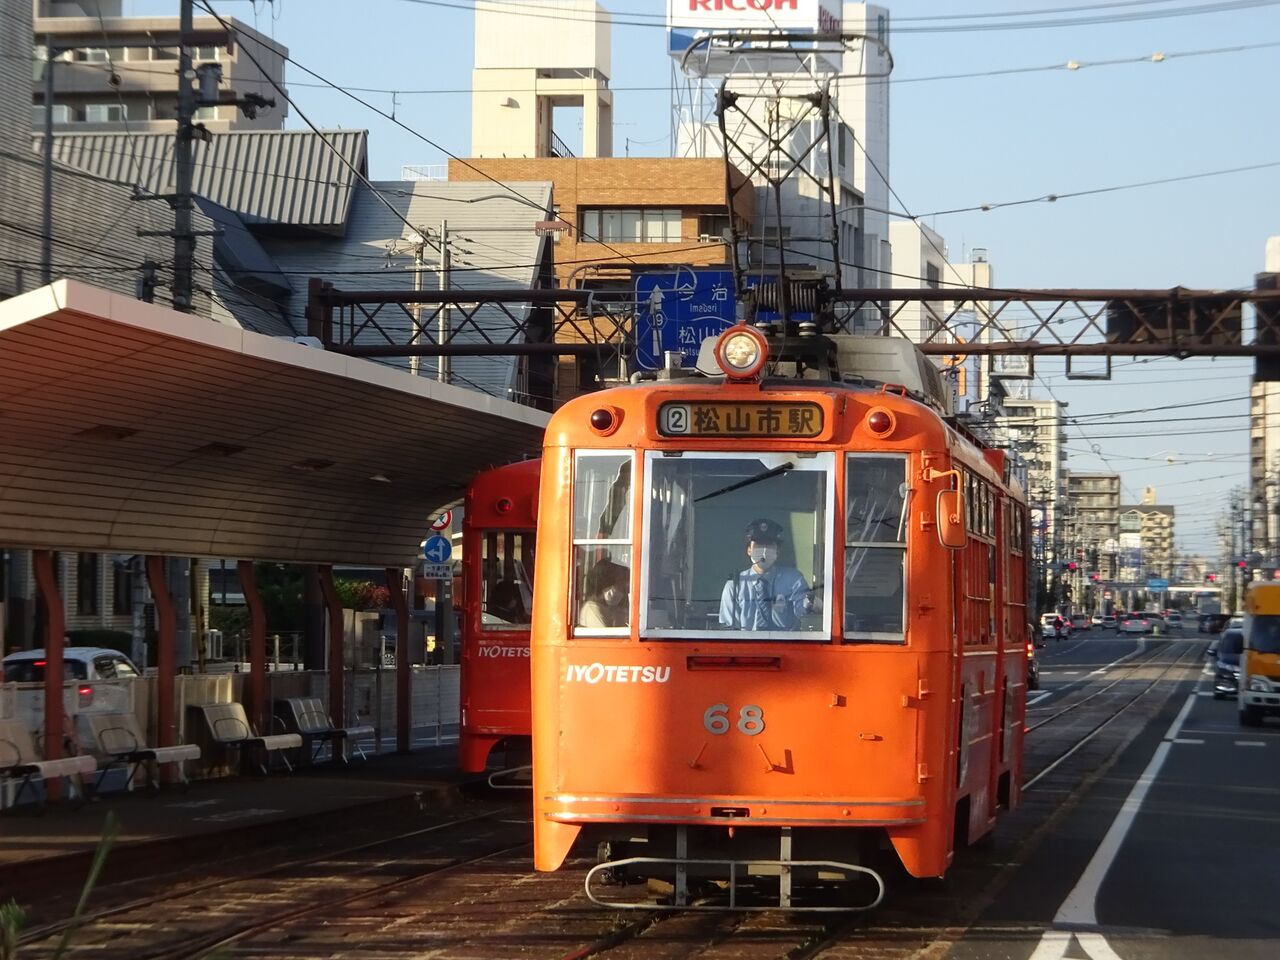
(437, 549)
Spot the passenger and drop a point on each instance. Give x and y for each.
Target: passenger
(765, 596)
(605, 590)
(505, 602)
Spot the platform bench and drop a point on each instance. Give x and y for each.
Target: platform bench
(18, 759)
(306, 716)
(117, 741)
(229, 727)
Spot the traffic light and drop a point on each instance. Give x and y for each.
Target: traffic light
(1095, 577)
(1241, 564)
(1072, 566)
(1210, 578)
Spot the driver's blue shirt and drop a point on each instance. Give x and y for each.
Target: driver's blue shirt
(773, 600)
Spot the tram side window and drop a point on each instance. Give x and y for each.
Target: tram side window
(875, 548)
(601, 543)
(507, 562)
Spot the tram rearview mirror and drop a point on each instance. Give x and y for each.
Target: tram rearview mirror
(951, 531)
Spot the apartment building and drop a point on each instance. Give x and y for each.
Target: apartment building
(112, 72)
(1154, 525)
(1092, 528)
(1035, 434)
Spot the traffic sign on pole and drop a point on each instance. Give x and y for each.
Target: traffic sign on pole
(437, 549)
(441, 522)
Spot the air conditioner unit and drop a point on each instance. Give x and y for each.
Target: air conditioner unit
(705, 238)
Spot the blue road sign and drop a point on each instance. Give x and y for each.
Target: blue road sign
(437, 549)
(677, 311)
(1157, 583)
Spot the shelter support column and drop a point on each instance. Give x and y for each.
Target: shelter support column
(404, 675)
(166, 644)
(44, 563)
(337, 645)
(257, 646)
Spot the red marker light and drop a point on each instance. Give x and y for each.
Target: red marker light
(601, 419)
(503, 505)
(880, 422)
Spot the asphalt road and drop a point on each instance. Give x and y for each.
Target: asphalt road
(1173, 855)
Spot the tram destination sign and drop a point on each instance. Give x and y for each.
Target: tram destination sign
(680, 419)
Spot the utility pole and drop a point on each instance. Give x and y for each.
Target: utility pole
(184, 241)
(46, 210)
(443, 320)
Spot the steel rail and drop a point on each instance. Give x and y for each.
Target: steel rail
(48, 930)
(1029, 784)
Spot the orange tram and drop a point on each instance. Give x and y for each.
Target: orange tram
(779, 627)
(499, 530)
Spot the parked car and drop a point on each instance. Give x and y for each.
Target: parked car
(1109, 622)
(103, 677)
(1226, 664)
(1136, 624)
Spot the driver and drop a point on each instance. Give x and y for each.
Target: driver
(765, 596)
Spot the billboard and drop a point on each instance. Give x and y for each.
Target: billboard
(686, 19)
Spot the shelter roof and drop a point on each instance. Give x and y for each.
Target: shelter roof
(288, 178)
(126, 427)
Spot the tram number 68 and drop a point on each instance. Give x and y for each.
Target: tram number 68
(750, 719)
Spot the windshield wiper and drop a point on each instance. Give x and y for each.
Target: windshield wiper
(775, 471)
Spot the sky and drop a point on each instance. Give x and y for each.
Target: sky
(954, 143)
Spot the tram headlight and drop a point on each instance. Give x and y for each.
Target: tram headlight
(741, 352)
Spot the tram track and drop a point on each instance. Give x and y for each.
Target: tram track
(31, 941)
(1179, 660)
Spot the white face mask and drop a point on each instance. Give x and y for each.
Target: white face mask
(763, 556)
(612, 596)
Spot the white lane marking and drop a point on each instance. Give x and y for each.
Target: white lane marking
(1052, 946)
(1080, 907)
(1040, 695)
(1187, 740)
(1096, 946)
(1250, 743)
(1069, 673)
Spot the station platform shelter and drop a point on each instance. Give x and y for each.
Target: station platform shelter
(128, 428)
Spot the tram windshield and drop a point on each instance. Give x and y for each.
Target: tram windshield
(506, 561)
(736, 545)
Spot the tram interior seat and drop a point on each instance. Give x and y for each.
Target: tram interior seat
(229, 728)
(19, 760)
(116, 740)
(306, 717)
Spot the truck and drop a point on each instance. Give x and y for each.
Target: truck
(1259, 686)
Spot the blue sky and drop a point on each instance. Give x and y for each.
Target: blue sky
(956, 143)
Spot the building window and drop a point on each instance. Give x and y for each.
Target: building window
(122, 585)
(87, 594)
(206, 52)
(104, 113)
(713, 227)
(61, 114)
(206, 113)
(644, 225)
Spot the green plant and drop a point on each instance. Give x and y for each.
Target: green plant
(110, 830)
(12, 920)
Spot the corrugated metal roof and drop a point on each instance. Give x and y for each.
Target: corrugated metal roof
(285, 177)
(493, 246)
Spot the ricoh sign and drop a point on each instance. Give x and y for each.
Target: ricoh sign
(816, 16)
